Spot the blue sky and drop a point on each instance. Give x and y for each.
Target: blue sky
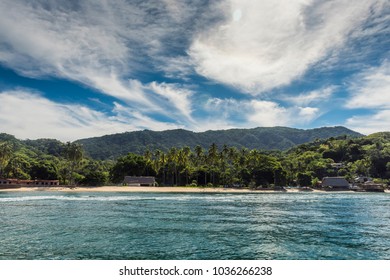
(77, 69)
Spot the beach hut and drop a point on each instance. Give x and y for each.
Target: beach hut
(20, 182)
(335, 183)
(139, 181)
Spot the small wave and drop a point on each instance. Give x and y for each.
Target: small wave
(212, 198)
(73, 198)
(196, 198)
(106, 198)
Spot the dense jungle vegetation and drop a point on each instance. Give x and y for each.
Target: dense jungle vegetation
(217, 165)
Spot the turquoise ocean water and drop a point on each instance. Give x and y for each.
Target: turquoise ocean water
(44, 225)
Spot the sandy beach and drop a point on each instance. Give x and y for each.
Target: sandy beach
(141, 189)
(160, 190)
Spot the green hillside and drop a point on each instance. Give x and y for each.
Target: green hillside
(261, 138)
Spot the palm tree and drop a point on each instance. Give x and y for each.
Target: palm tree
(163, 163)
(74, 154)
(199, 154)
(199, 158)
(212, 157)
(183, 161)
(172, 164)
(148, 157)
(156, 162)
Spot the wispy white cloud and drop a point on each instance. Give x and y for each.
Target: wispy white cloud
(267, 113)
(30, 115)
(365, 42)
(97, 43)
(368, 124)
(259, 113)
(371, 88)
(270, 43)
(78, 40)
(51, 39)
(179, 97)
(307, 114)
(312, 97)
(103, 45)
(140, 121)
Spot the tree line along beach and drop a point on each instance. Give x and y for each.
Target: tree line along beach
(54, 165)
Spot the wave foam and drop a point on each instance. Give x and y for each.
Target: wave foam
(72, 198)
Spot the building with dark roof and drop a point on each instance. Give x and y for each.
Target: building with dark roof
(335, 183)
(32, 183)
(139, 181)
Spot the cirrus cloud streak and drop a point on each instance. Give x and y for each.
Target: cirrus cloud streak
(30, 115)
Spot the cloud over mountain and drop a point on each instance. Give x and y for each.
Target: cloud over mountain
(164, 63)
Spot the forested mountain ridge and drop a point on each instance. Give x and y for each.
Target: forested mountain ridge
(261, 138)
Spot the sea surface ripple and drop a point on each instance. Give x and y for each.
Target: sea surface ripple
(194, 226)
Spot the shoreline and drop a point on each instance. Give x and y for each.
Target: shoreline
(131, 189)
(135, 189)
